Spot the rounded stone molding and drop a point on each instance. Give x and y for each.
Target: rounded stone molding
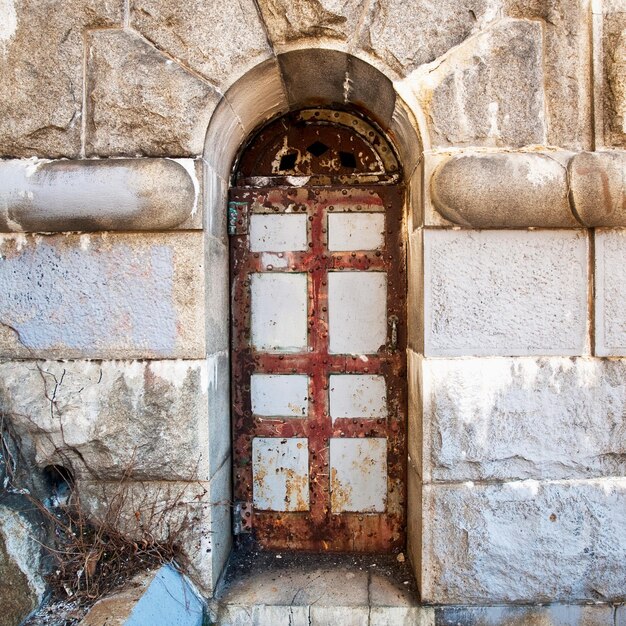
(528, 189)
(94, 195)
(598, 188)
(503, 190)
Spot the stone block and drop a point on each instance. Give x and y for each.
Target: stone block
(220, 40)
(91, 195)
(401, 616)
(220, 443)
(340, 78)
(42, 75)
(598, 188)
(415, 292)
(610, 288)
(215, 203)
(620, 616)
(259, 97)
(319, 20)
(221, 529)
(102, 296)
(217, 296)
(263, 615)
(613, 49)
(407, 139)
(554, 615)
(224, 137)
(524, 541)
(566, 67)
(508, 293)
(489, 91)
(416, 410)
(140, 101)
(504, 190)
(329, 67)
(344, 615)
(414, 521)
(145, 420)
(21, 584)
(403, 35)
(515, 419)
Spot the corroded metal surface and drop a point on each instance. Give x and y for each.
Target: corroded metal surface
(324, 520)
(318, 147)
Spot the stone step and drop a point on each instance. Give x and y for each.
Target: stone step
(294, 589)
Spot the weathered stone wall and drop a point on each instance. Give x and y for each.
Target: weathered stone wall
(507, 116)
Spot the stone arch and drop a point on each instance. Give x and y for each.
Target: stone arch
(294, 80)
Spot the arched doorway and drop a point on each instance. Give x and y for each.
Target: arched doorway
(318, 301)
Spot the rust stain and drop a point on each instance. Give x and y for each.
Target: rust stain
(340, 495)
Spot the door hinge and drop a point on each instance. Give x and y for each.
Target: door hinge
(237, 218)
(242, 518)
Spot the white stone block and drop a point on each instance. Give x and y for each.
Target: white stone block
(505, 293)
(115, 296)
(519, 418)
(142, 420)
(524, 541)
(610, 284)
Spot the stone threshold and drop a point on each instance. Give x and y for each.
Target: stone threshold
(264, 588)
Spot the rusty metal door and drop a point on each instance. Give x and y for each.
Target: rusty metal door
(318, 364)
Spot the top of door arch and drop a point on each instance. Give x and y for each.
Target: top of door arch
(317, 147)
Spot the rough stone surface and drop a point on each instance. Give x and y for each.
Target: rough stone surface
(260, 589)
(196, 514)
(474, 96)
(219, 40)
(259, 96)
(41, 64)
(218, 369)
(21, 585)
(500, 419)
(109, 419)
(311, 19)
(525, 541)
(102, 296)
(503, 191)
(505, 293)
(614, 48)
(88, 195)
(217, 296)
(404, 35)
(339, 78)
(415, 434)
(610, 286)
(141, 102)
(567, 70)
(598, 187)
(554, 615)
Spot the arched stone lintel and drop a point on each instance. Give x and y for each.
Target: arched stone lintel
(530, 189)
(308, 77)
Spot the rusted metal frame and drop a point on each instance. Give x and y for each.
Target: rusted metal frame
(317, 181)
(341, 427)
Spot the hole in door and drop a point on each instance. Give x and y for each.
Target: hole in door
(319, 336)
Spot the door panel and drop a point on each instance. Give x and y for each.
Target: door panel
(318, 375)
